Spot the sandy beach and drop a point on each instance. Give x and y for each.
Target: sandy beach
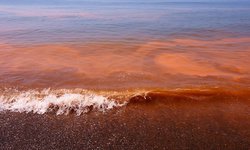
(214, 122)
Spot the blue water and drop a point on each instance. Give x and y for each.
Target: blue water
(62, 21)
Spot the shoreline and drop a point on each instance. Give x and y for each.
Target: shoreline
(218, 124)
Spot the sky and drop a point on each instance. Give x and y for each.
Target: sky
(82, 1)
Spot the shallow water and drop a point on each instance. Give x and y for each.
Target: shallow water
(124, 45)
(111, 45)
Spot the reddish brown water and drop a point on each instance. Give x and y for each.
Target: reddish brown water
(112, 65)
(179, 94)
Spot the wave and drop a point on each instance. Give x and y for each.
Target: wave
(59, 101)
(80, 101)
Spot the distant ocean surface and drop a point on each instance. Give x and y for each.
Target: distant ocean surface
(36, 22)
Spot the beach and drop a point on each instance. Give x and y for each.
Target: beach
(216, 122)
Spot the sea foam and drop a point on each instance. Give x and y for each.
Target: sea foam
(61, 102)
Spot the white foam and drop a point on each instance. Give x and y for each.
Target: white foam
(61, 103)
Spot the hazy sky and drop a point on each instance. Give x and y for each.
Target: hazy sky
(78, 2)
(61, 1)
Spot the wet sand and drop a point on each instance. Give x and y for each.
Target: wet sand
(211, 122)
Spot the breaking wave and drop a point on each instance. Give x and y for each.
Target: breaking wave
(80, 101)
(59, 101)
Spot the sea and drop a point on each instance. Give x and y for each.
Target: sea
(142, 74)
